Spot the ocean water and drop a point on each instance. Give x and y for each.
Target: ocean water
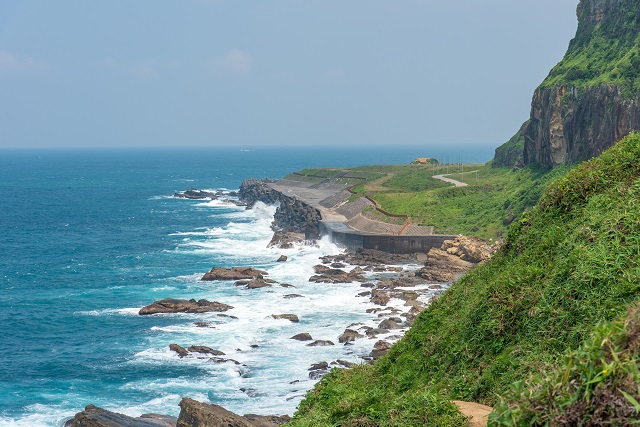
(89, 237)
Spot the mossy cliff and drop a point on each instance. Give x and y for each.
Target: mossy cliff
(591, 98)
(568, 265)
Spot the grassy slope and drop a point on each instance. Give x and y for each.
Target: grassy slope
(604, 53)
(477, 210)
(571, 263)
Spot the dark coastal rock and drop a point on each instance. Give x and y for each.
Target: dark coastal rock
(292, 296)
(289, 317)
(182, 352)
(320, 343)
(379, 297)
(348, 336)
(92, 416)
(285, 240)
(282, 258)
(195, 194)
(304, 336)
(317, 366)
(318, 370)
(326, 274)
(233, 273)
(223, 360)
(368, 257)
(442, 267)
(205, 350)
(344, 363)
(171, 305)
(257, 284)
(390, 324)
(197, 414)
(379, 349)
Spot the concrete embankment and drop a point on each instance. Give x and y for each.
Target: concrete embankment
(320, 211)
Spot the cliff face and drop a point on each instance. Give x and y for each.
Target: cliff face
(591, 98)
(292, 215)
(570, 124)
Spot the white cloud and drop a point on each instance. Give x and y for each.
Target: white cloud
(235, 61)
(11, 61)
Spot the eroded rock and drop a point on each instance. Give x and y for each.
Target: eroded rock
(172, 305)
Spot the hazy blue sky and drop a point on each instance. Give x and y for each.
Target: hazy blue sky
(215, 72)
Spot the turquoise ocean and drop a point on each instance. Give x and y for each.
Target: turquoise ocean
(88, 237)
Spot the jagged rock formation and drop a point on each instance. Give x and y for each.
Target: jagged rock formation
(292, 215)
(590, 100)
(92, 416)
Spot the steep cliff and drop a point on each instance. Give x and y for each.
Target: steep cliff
(590, 99)
(292, 215)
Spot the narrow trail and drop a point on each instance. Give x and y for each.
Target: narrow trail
(450, 180)
(477, 414)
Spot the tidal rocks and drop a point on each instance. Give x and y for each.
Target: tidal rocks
(320, 343)
(256, 283)
(393, 323)
(233, 273)
(441, 267)
(326, 274)
(367, 257)
(470, 249)
(171, 305)
(285, 240)
(205, 350)
(380, 348)
(304, 336)
(289, 317)
(182, 352)
(282, 258)
(195, 194)
(318, 370)
(92, 416)
(348, 336)
(198, 414)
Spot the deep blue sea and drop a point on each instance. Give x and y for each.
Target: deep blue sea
(88, 237)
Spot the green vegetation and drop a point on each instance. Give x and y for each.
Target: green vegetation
(570, 264)
(485, 208)
(595, 385)
(511, 153)
(606, 52)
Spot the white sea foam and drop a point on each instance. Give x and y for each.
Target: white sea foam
(130, 311)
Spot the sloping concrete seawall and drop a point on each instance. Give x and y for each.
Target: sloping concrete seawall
(343, 235)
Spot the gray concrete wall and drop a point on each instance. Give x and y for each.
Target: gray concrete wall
(393, 244)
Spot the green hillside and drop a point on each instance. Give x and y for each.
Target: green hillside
(605, 50)
(568, 265)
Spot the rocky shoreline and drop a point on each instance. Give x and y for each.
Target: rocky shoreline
(383, 278)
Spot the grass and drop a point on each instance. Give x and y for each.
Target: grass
(606, 53)
(569, 265)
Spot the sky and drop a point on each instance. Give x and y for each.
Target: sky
(160, 73)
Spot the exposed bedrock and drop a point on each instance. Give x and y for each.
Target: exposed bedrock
(172, 305)
(292, 215)
(92, 416)
(571, 125)
(198, 414)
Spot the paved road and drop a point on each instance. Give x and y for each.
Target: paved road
(452, 181)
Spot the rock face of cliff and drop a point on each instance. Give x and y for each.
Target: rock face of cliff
(292, 215)
(591, 99)
(570, 124)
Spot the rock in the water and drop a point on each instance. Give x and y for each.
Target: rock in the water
(92, 416)
(320, 343)
(282, 258)
(321, 365)
(205, 350)
(197, 414)
(290, 317)
(233, 273)
(345, 363)
(304, 336)
(257, 283)
(326, 274)
(379, 297)
(349, 335)
(171, 305)
(195, 194)
(389, 324)
(380, 349)
(182, 352)
(292, 296)
(286, 240)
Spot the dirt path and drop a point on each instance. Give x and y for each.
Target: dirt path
(452, 181)
(477, 414)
